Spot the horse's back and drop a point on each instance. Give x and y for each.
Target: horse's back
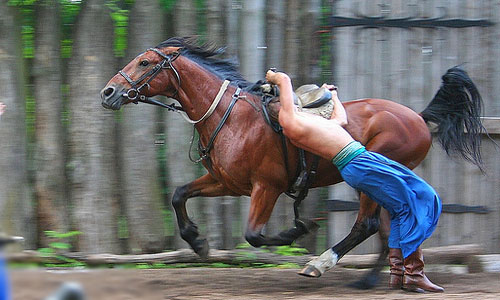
(389, 128)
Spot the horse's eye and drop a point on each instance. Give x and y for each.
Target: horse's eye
(144, 63)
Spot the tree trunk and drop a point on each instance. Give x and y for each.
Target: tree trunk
(218, 230)
(232, 13)
(253, 40)
(180, 170)
(15, 204)
(92, 140)
(50, 186)
(275, 33)
(140, 167)
(309, 73)
(292, 42)
(309, 47)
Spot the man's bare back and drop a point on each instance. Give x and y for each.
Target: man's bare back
(310, 132)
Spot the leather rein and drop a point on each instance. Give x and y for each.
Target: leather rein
(134, 95)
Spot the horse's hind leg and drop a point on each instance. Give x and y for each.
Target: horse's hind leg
(371, 279)
(205, 186)
(367, 223)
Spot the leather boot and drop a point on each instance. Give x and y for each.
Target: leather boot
(396, 267)
(414, 279)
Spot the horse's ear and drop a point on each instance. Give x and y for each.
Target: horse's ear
(170, 50)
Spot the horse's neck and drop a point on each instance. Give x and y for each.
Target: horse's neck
(199, 90)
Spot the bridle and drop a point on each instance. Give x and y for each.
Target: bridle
(134, 92)
(134, 95)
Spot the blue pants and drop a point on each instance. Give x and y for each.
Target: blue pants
(413, 204)
(4, 282)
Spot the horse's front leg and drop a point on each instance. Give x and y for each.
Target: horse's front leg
(205, 186)
(263, 199)
(367, 223)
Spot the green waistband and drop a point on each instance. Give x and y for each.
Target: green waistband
(348, 153)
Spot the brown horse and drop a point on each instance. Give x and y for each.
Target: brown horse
(245, 156)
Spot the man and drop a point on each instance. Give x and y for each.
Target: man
(413, 204)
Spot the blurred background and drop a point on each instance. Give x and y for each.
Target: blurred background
(103, 180)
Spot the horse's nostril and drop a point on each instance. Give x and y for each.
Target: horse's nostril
(108, 92)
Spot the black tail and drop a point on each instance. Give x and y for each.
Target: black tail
(456, 109)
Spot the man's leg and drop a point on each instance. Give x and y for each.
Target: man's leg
(414, 278)
(395, 257)
(4, 282)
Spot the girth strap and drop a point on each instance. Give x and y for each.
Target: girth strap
(205, 150)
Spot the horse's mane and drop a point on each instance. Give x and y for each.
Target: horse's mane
(205, 56)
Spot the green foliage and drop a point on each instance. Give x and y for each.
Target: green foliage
(220, 265)
(243, 246)
(62, 235)
(120, 20)
(122, 227)
(167, 5)
(57, 247)
(325, 60)
(288, 266)
(27, 25)
(290, 251)
(21, 2)
(69, 12)
(201, 20)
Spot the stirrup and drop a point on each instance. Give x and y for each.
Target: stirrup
(301, 181)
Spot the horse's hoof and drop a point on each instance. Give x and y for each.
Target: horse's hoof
(307, 226)
(202, 248)
(361, 285)
(310, 271)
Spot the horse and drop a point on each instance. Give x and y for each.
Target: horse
(244, 156)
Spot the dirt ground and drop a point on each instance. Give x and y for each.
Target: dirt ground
(233, 283)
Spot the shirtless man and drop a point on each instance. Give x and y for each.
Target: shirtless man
(413, 204)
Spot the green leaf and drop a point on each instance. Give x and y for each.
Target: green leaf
(46, 251)
(59, 245)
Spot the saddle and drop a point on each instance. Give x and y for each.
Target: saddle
(308, 98)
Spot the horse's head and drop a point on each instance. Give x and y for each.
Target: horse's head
(149, 74)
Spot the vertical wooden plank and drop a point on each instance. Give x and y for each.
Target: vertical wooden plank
(493, 106)
(493, 178)
(244, 211)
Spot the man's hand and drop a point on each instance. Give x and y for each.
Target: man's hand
(2, 108)
(276, 77)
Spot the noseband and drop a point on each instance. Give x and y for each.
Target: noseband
(134, 93)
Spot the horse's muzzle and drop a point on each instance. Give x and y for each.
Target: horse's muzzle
(111, 99)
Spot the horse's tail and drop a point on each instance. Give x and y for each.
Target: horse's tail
(456, 109)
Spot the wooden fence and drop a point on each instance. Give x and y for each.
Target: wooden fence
(380, 54)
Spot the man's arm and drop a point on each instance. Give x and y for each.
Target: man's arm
(339, 114)
(287, 115)
(286, 94)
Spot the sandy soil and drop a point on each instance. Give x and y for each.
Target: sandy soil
(233, 283)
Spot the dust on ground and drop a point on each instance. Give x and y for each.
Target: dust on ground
(235, 283)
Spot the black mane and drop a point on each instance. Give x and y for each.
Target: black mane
(204, 55)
